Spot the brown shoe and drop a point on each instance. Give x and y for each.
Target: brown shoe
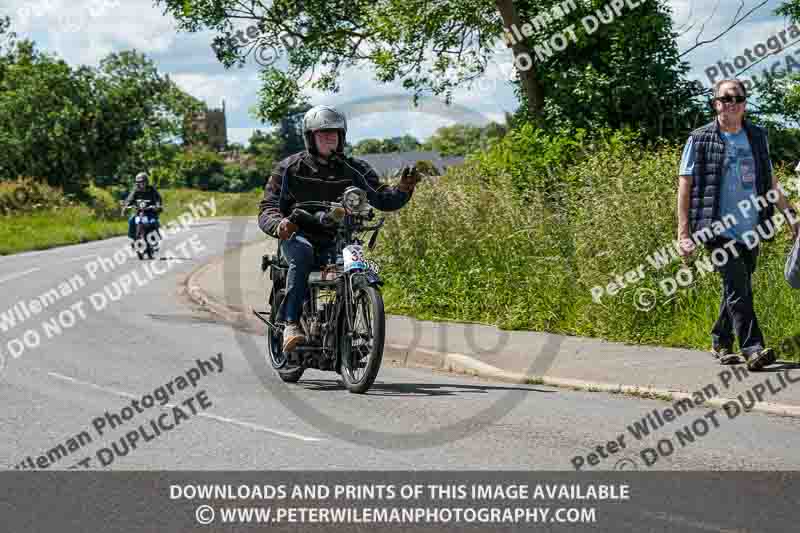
(292, 336)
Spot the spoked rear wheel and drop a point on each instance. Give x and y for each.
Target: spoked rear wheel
(363, 351)
(287, 372)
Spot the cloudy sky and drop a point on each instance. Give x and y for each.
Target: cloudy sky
(83, 31)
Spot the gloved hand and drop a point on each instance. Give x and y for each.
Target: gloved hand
(313, 223)
(409, 178)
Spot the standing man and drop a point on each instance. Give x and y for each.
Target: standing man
(724, 163)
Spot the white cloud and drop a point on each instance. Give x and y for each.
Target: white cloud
(83, 31)
(212, 89)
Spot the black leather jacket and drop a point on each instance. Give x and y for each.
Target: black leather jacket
(307, 179)
(149, 193)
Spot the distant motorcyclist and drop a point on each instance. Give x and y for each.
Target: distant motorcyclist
(320, 173)
(143, 191)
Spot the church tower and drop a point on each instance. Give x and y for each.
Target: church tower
(211, 126)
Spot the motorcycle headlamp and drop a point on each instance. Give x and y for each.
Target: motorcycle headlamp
(355, 200)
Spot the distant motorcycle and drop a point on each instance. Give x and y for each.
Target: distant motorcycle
(146, 224)
(343, 315)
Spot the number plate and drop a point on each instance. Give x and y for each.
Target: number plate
(354, 258)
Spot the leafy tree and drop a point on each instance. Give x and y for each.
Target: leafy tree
(265, 144)
(628, 72)
(408, 143)
(7, 39)
(45, 119)
(68, 125)
(144, 114)
(368, 146)
(201, 168)
(462, 139)
(778, 104)
(789, 8)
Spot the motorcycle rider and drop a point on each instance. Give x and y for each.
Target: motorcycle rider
(319, 173)
(143, 191)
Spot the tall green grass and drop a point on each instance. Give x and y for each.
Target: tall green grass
(55, 227)
(471, 247)
(177, 201)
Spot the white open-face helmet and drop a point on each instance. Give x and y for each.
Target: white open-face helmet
(323, 117)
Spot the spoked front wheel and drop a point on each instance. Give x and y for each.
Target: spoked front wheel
(362, 346)
(140, 236)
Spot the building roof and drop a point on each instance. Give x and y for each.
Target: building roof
(390, 164)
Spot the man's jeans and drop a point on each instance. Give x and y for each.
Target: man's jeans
(302, 257)
(736, 311)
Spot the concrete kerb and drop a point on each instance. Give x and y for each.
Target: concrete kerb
(457, 363)
(228, 314)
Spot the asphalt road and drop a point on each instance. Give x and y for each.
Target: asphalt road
(411, 419)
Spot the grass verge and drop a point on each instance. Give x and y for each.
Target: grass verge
(73, 224)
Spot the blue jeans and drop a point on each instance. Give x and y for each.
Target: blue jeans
(302, 257)
(132, 226)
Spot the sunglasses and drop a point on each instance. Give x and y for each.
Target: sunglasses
(727, 99)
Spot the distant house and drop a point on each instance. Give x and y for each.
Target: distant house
(391, 163)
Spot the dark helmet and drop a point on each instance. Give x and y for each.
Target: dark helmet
(323, 117)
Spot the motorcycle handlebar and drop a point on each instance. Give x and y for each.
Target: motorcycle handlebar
(146, 208)
(317, 205)
(313, 205)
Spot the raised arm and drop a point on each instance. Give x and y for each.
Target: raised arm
(380, 196)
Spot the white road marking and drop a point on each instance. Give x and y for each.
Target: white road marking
(18, 275)
(225, 420)
(81, 258)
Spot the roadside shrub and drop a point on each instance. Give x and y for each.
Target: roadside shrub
(103, 203)
(535, 161)
(166, 177)
(200, 168)
(25, 195)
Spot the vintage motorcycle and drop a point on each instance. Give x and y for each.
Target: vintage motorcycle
(147, 238)
(343, 315)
